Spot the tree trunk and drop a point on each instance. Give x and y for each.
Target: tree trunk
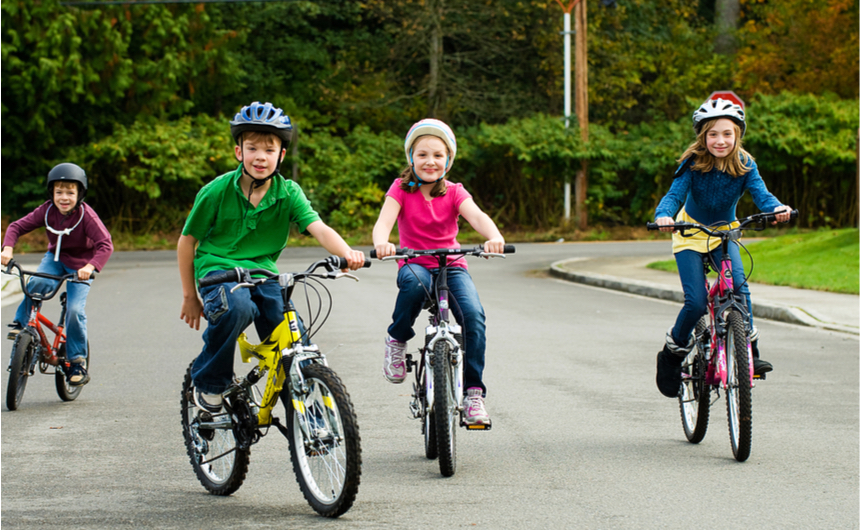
(434, 93)
(726, 15)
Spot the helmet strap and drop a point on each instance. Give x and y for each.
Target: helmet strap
(418, 182)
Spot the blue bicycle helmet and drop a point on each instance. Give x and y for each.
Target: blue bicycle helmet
(264, 118)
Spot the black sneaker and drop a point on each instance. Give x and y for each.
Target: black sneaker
(669, 372)
(77, 375)
(761, 367)
(209, 402)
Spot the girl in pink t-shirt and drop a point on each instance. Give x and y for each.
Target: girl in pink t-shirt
(426, 207)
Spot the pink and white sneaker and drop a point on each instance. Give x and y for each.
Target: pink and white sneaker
(473, 403)
(394, 364)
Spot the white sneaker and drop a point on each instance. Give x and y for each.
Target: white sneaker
(394, 364)
(473, 403)
(209, 402)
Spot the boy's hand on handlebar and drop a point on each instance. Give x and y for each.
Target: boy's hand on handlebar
(85, 272)
(666, 224)
(495, 245)
(783, 214)
(192, 310)
(355, 259)
(384, 250)
(6, 255)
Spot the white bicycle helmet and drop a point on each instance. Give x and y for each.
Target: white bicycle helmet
(433, 128)
(719, 108)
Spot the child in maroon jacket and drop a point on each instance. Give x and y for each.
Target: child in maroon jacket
(78, 243)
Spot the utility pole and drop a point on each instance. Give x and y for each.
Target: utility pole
(581, 75)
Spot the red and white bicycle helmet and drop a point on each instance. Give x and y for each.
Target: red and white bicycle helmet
(433, 128)
(719, 108)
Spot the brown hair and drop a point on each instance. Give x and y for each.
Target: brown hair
(257, 136)
(736, 163)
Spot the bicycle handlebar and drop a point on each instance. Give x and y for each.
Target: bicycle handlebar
(760, 219)
(333, 264)
(408, 253)
(72, 277)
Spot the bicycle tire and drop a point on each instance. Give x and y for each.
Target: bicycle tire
(220, 476)
(739, 390)
(23, 350)
(66, 391)
(431, 451)
(444, 407)
(328, 466)
(695, 396)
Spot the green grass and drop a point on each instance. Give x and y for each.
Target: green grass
(825, 260)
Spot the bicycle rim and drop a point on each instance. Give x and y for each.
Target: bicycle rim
(738, 392)
(695, 397)
(445, 408)
(327, 461)
(219, 464)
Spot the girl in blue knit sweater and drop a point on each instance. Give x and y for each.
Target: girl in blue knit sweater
(715, 172)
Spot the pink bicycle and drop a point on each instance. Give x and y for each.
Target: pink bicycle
(722, 355)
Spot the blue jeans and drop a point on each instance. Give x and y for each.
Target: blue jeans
(465, 304)
(76, 302)
(691, 269)
(228, 314)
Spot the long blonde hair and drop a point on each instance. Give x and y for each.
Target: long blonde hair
(736, 163)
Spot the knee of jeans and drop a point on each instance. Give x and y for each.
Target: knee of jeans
(698, 305)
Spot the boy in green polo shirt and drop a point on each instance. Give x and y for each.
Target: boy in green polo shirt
(242, 219)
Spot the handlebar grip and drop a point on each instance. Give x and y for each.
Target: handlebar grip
(794, 214)
(652, 226)
(373, 254)
(219, 277)
(510, 249)
(343, 264)
(397, 251)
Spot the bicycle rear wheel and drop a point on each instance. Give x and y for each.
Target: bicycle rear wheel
(445, 408)
(695, 397)
(19, 370)
(326, 460)
(738, 392)
(66, 391)
(218, 462)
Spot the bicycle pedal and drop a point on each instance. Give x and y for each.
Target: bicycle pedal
(478, 426)
(13, 334)
(760, 376)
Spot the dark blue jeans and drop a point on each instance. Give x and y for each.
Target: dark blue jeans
(466, 306)
(691, 269)
(228, 314)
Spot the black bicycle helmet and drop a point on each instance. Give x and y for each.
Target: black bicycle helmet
(70, 173)
(719, 108)
(264, 118)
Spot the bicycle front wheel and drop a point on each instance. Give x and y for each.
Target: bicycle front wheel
(445, 408)
(695, 397)
(325, 446)
(431, 449)
(19, 370)
(218, 462)
(66, 391)
(739, 391)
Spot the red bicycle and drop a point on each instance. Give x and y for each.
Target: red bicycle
(32, 346)
(722, 356)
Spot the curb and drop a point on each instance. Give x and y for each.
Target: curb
(769, 311)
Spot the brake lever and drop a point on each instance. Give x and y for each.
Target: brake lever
(492, 255)
(341, 274)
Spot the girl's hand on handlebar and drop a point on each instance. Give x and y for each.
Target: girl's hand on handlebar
(355, 259)
(783, 214)
(384, 250)
(6, 255)
(85, 272)
(495, 245)
(663, 222)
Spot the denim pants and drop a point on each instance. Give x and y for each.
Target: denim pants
(228, 314)
(76, 301)
(466, 306)
(691, 269)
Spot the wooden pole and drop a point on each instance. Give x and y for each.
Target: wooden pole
(581, 94)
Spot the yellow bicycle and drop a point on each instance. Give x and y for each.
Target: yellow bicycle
(321, 427)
